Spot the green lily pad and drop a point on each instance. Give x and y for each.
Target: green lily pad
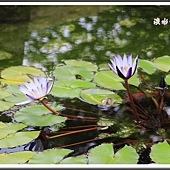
(18, 74)
(162, 63)
(126, 155)
(82, 159)
(79, 63)
(70, 89)
(5, 105)
(51, 156)
(17, 139)
(160, 153)
(14, 95)
(68, 72)
(134, 80)
(4, 94)
(147, 66)
(16, 158)
(9, 128)
(108, 80)
(102, 154)
(167, 79)
(38, 115)
(96, 96)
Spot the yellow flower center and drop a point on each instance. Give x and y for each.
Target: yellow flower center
(126, 68)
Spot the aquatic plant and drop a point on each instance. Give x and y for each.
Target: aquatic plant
(125, 70)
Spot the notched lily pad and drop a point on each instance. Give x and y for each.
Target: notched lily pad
(160, 153)
(126, 155)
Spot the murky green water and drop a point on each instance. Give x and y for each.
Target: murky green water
(94, 33)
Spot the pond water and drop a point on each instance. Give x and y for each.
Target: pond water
(45, 36)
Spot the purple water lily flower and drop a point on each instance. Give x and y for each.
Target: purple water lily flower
(123, 67)
(37, 88)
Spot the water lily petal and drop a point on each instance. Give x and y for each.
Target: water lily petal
(123, 67)
(37, 88)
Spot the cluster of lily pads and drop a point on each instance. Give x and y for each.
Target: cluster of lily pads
(96, 85)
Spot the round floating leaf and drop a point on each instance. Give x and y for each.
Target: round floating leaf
(68, 72)
(8, 128)
(126, 155)
(15, 96)
(70, 89)
(147, 66)
(96, 96)
(167, 79)
(108, 80)
(134, 80)
(162, 63)
(75, 160)
(51, 156)
(79, 63)
(17, 139)
(102, 154)
(18, 74)
(5, 105)
(38, 115)
(160, 153)
(16, 158)
(4, 94)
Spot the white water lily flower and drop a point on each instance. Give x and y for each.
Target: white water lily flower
(37, 88)
(123, 67)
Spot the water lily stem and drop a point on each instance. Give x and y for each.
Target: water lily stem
(49, 108)
(132, 101)
(73, 132)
